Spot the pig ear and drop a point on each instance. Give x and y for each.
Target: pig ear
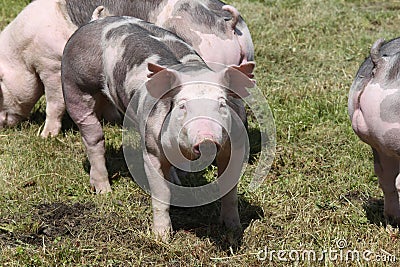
(161, 80)
(154, 69)
(239, 78)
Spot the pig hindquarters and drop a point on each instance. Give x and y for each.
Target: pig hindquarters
(112, 58)
(374, 102)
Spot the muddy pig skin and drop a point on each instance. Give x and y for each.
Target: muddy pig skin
(31, 46)
(374, 108)
(113, 58)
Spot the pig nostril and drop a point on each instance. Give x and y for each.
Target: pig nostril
(218, 147)
(196, 149)
(206, 146)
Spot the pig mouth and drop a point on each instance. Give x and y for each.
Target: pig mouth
(9, 119)
(206, 147)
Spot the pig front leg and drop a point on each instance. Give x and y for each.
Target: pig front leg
(158, 175)
(229, 202)
(387, 170)
(55, 106)
(229, 210)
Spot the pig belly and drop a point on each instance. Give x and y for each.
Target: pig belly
(368, 124)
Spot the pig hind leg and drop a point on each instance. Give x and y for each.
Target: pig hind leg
(387, 170)
(81, 107)
(93, 138)
(55, 106)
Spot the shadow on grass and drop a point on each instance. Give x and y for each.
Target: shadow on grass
(115, 163)
(373, 208)
(38, 117)
(255, 144)
(203, 221)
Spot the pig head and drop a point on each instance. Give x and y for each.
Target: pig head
(217, 32)
(200, 115)
(374, 108)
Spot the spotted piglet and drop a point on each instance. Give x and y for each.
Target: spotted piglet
(126, 60)
(374, 108)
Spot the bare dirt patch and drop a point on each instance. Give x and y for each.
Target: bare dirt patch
(58, 219)
(49, 221)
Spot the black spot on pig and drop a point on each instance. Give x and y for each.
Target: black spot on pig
(141, 42)
(80, 11)
(136, 52)
(181, 49)
(391, 140)
(201, 15)
(390, 108)
(90, 63)
(364, 73)
(393, 73)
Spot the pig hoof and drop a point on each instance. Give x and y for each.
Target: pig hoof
(162, 233)
(51, 131)
(102, 188)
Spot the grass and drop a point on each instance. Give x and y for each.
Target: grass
(321, 187)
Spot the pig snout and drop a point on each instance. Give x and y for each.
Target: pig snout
(8, 119)
(206, 136)
(3, 119)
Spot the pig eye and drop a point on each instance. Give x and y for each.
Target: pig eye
(222, 103)
(182, 104)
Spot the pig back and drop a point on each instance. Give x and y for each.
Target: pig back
(364, 73)
(129, 44)
(80, 12)
(192, 20)
(111, 56)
